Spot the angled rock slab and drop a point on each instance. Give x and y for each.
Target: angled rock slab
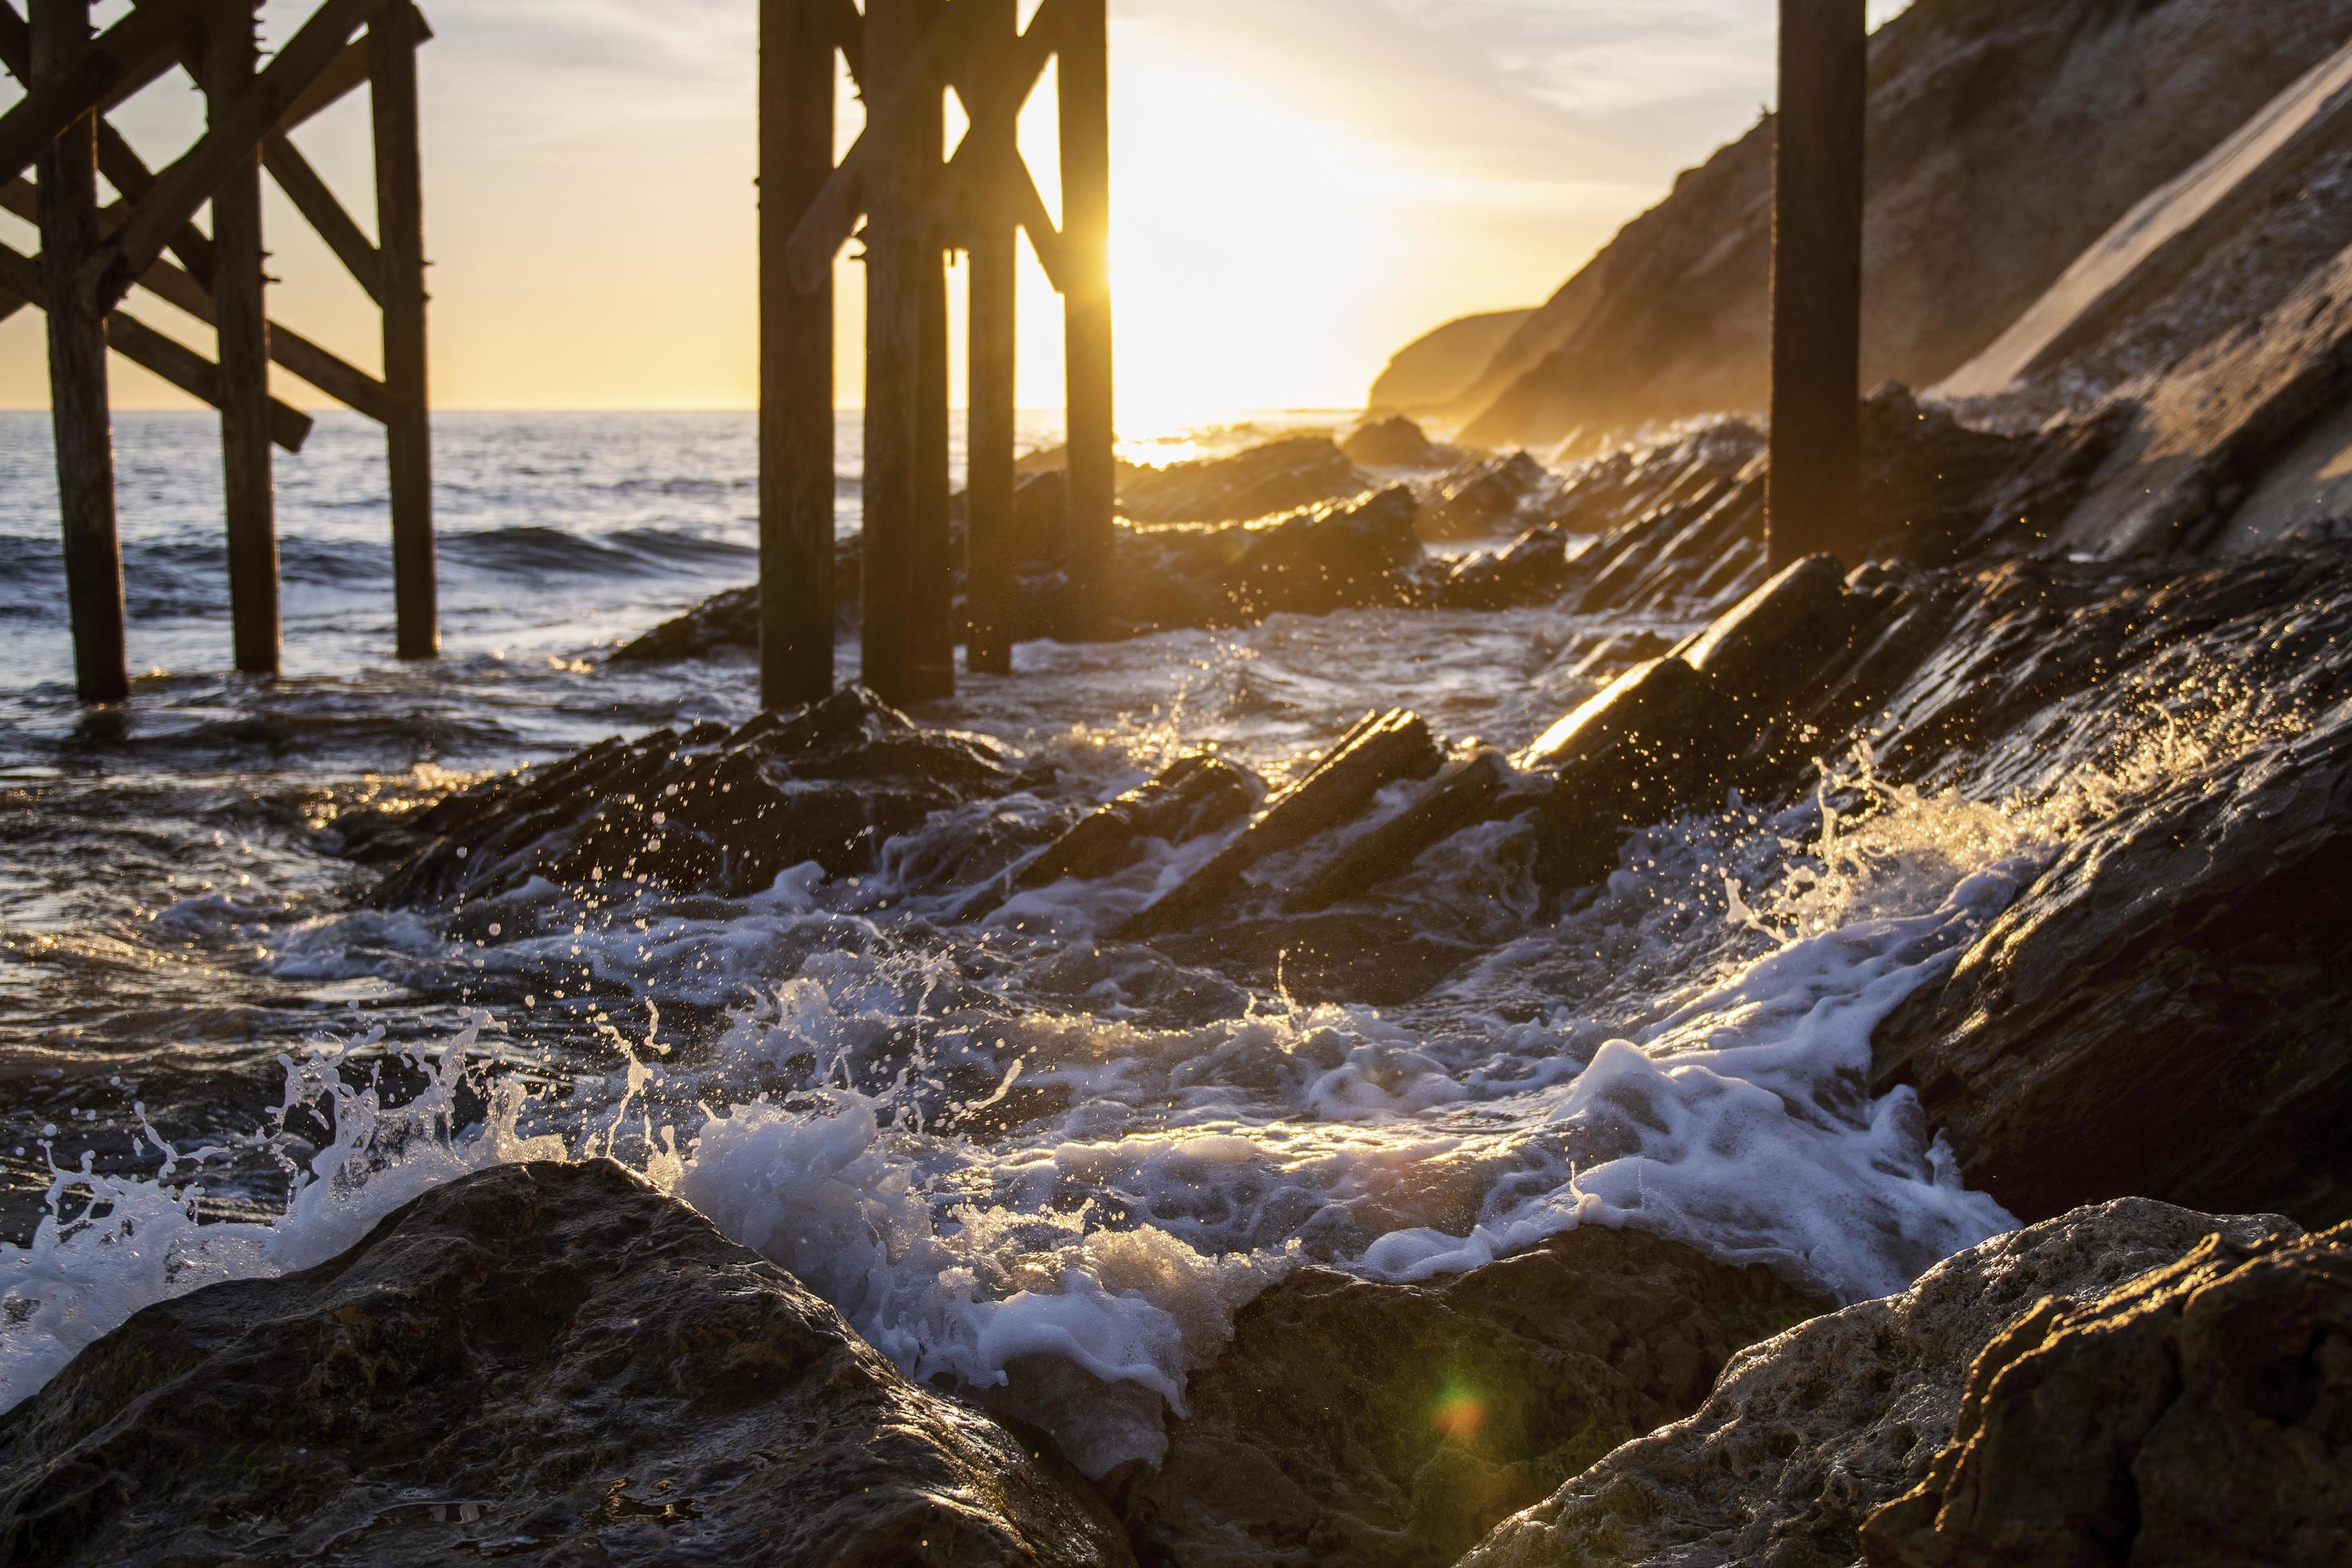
(2201, 1413)
(544, 1364)
(1807, 1434)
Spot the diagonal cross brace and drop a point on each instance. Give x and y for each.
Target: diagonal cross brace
(141, 344)
(109, 69)
(237, 132)
(832, 219)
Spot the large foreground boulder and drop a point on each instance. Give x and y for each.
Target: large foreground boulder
(1353, 1424)
(544, 1363)
(2201, 1413)
(1806, 1436)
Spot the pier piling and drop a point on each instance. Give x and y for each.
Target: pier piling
(1084, 81)
(798, 42)
(992, 240)
(67, 174)
(408, 432)
(1813, 490)
(241, 325)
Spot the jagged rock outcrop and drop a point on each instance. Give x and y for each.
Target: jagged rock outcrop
(1345, 555)
(2200, 1414)
(1392, 441)
(2166, 1010)
(1804, 1437)
(1358, 1425)
(1192, 796)
(544, 1364)
(705, 810)
(1977, 202)
(1278, 475)
(1488, 497)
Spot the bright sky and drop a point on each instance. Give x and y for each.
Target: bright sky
(1300, 187)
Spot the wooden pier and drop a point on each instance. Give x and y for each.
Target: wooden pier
(92, 257)
(917, 205)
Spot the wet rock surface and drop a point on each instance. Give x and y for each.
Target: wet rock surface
(1391, 442)
(542, 1364)
(2200, 1414)
(1277, 476)
(2166, 1011)
(706, 809)
(1806, 1436)
(1354, 1424)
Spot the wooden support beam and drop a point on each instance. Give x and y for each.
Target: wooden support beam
(289, 350)
(932, 633)
(77, 391)
(848, 23)
(241, 321)
(116, 160)
(231, 136)
(797, 87)
(831, 221)
(317, 204)
(21, 276)
(903, 273)
(1813, 490)
(392, 43)
(993, 234)
(1084, 77)
(343, 77)
(100, 73)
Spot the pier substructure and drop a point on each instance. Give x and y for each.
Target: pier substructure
(93, 257)
(917, 207)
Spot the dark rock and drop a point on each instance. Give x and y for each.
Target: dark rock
(1378, 752)
(1465, 793)
(1394, 442)
(1280, 476)
(1486, 499)
(2168, 1010)
(544, 1364)
(720, 623)
(1804, 1437)
(1193, 795)
(2201, 1413)
(1362, 553)
(1343, 557)
(704, 811)
(1534, 570)
(1355, 1424)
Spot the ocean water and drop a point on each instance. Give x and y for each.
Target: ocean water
(1024, 1160)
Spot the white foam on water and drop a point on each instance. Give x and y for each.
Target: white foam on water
(1017, 1170)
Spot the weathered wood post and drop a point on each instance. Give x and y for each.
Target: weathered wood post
(392, 42)
(797, 39)
(992, 241)
(242, 323)
(67, 197)
(1813, 493)
(1084, 77)
(931, 637)
(906, 558)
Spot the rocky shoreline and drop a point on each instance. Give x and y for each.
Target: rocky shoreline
(2157, 1020)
